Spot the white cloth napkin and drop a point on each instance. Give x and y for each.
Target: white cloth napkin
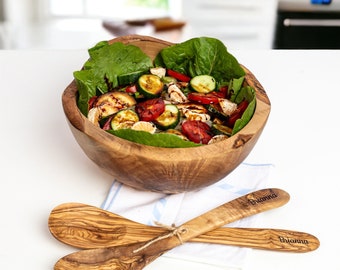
(148, 207)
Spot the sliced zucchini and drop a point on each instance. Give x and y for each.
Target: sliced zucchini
(220, 129)
(124, 98)
(169, 118)
(129, 78)
(150, 85)
(115, 99)
(111, 102)
(203, 83)
(124, 119)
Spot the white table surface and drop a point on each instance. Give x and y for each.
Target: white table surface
(42, 166)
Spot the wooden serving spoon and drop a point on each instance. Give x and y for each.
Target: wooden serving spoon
(85, 226)
(136, 256)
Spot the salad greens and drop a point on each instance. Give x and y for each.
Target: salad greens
(106, 64)
(157, 139)
(240, 93)
(201, 56)
(244, 93)
(197, 56)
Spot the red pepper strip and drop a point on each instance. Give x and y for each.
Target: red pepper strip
(237, 113)
(223, 92)
(107, 124)
(91, 102)
(179, 76)
(202, 98)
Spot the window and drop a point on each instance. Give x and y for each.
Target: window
(120, 9)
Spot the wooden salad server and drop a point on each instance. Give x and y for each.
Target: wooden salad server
(85, 226)
(136, 256)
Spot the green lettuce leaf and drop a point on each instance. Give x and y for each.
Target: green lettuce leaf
(87, 84)
(245, 93)
(106, 64)
(157, 139)
(201, 56)
(235, 86)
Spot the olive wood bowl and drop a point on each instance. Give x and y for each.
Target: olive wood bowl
(164, 170)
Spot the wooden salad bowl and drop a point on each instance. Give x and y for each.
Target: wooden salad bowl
(165, 170)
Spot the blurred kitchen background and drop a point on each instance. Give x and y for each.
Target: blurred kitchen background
(240, 24)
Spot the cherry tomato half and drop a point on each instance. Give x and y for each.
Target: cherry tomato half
(150, 109)
(237, 113)
(179, 76)
(197, 131)
(202, 98)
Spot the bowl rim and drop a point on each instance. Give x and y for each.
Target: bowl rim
(254, 126)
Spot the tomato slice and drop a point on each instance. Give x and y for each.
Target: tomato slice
(150, 109)
(202, 98)
(237, 113)
(179, 76)
(197, 131)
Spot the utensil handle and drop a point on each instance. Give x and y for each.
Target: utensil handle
(244, 206)
(268, 239)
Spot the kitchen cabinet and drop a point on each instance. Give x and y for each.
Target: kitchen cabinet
(238, 23)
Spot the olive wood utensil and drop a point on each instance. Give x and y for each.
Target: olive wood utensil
(85, 226)
(136, 256)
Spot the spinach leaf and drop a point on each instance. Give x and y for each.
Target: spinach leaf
(201, 56)
(245, 93)
(95, 49)
(87, 85)
(248, 94)
(106, 64)
(157, 139)
(235, 86)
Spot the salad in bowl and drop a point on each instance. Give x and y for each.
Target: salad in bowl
(191, 94)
